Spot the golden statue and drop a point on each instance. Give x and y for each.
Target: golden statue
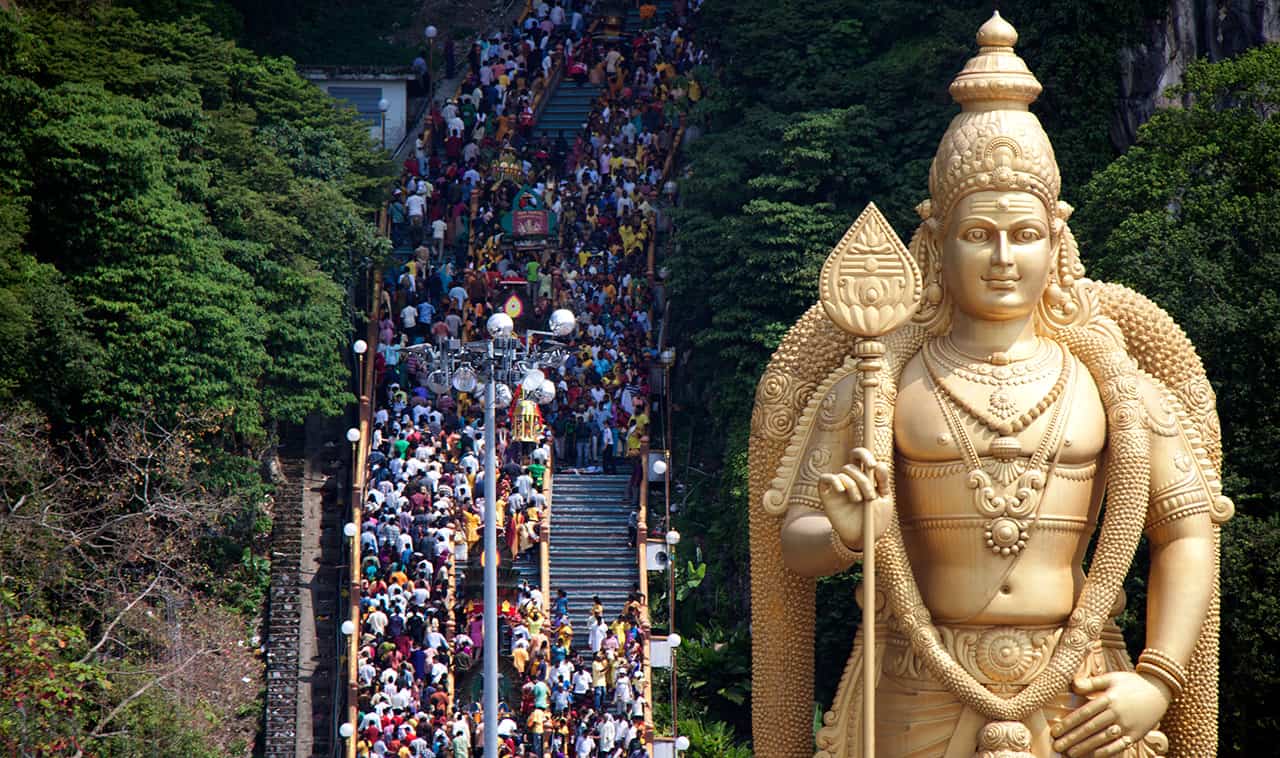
(1008, 395)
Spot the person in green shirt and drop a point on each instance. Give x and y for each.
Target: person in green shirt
(537, 471)
(531, 272)
(541, 695)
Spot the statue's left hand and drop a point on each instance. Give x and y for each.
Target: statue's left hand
(1123, 707)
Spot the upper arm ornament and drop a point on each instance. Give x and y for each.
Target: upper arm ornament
(1184, 482)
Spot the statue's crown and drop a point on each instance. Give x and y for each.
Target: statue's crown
(995, 142)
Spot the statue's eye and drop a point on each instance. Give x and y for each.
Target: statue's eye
(1026, 235)
(977, 234)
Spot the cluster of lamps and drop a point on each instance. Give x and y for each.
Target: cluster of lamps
(502, 359)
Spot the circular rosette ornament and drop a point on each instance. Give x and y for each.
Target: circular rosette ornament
(1005, 655)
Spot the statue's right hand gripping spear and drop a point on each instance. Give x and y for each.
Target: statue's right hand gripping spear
(869, 286)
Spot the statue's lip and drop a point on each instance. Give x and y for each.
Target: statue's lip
(1001, 282)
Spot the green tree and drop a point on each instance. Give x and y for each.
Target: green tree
(180, 222)
(211, 208)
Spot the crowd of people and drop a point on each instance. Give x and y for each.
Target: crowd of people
(420, 634)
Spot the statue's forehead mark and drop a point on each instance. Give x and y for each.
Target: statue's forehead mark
(1004, 204)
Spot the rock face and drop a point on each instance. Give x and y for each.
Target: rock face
(1189, 29)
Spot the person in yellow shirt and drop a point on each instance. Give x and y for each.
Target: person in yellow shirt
(471, 526)
(641, 420)
(520, 658)
(599, 679)
(537, 729)
(628, 241)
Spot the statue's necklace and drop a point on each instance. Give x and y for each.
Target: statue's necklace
(1010, 423)
(998, 370)
(1011, 508)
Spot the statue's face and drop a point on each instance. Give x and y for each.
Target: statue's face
(996, 254)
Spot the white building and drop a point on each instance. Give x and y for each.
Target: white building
(364, 88)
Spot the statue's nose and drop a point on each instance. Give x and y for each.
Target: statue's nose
(1002, 255)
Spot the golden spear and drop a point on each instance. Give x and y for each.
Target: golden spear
(870, 285)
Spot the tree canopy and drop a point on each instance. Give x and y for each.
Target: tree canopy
(190, 215)
(181, 223)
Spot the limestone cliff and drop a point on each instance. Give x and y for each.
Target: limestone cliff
(1189, 29)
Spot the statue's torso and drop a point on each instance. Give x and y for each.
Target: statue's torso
(961, 579)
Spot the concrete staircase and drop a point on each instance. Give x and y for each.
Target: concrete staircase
(589, 553)
(283, 616)
(527, 567)
(567, 110)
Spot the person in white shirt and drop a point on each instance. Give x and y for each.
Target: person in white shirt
(416, 205)
(524, 484)
(608, 729)
(506, 727)
(377, 621)
(438, 228)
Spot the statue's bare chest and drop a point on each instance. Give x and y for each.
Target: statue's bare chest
(962, 464)
(922, 431)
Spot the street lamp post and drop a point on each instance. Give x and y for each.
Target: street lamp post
(498, 360)
(673, 539)
(360, 347)
(351, 626)
(383, 105)
(430, 33)
(667, 358)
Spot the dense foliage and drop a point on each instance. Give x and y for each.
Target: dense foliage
(189, 214)
(804, 127)
(180, 222)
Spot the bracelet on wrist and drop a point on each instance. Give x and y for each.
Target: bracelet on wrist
(1164, 668)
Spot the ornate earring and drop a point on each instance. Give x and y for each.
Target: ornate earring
(932, 312)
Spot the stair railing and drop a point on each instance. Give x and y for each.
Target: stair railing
(642, 558)
(544, 534)
(358, 463)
